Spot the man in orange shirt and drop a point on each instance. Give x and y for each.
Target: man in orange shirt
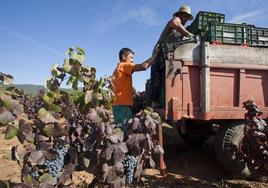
(123, 84)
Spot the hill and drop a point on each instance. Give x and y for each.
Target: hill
(28, 88)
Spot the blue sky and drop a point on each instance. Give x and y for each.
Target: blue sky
(34, 34)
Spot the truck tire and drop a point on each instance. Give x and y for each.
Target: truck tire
(196, 132)
(227, 142)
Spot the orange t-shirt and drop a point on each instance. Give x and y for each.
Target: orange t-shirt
(123, 83)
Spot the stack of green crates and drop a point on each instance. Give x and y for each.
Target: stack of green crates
(257, 36)
(202, 19)
(211, 27)
(226, 33)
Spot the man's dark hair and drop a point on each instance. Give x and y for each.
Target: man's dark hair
(124, 51)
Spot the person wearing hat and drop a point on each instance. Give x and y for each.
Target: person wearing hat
(174, 31)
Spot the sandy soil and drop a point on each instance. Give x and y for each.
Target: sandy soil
(187, 167)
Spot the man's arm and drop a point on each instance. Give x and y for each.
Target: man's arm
(146, 64)
(176, 24)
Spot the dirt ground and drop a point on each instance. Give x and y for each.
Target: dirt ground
(187, 167)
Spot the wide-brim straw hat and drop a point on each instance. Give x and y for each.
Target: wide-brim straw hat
(185, 9)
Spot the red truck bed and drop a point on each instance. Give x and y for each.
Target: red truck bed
(210, 82)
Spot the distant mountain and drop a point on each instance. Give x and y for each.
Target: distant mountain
(28, 88)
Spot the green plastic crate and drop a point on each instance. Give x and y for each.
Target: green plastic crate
(167, 47)
(257, 36)
(226, 33)
(202, 19)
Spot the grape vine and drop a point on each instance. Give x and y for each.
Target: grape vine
(65, 131)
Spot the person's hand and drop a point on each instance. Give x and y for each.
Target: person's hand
(190, 35)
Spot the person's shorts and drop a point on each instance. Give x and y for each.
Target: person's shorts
(122, 114)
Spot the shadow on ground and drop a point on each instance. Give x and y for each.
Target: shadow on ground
(197, 166)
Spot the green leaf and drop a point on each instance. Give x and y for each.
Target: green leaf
(67, 67)
(14, 106)
(93, 70)
(79, 56)
(45, 116)
(54, 70)
(94, 102)
(77, 96)
(27, 179)
(80, 51)
(70, 52)
(75, 84)
(52, 84)
(8, 103)
(49, 130)
(49, 82)
(86, 162)
(98, 85)
(87, 74)
(11, 132)
(47, 180)
(12, 90)
(6, 79)
(47, 99)
(147, 112)
(88, 96)
(5, 115)
(99, 96)
(78, 60)
(156, 117)
(71, 80)
(69, 181)
(54, 108)
(112, 95)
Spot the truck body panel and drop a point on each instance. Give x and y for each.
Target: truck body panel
(210, 82)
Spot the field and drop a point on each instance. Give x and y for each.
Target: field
(187, 167)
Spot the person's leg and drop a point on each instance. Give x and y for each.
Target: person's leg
(117, 114)
(155, 80)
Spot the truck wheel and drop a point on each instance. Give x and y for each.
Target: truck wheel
(227, 147)
(196, 132)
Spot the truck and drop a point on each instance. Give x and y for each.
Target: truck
(201, 87)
